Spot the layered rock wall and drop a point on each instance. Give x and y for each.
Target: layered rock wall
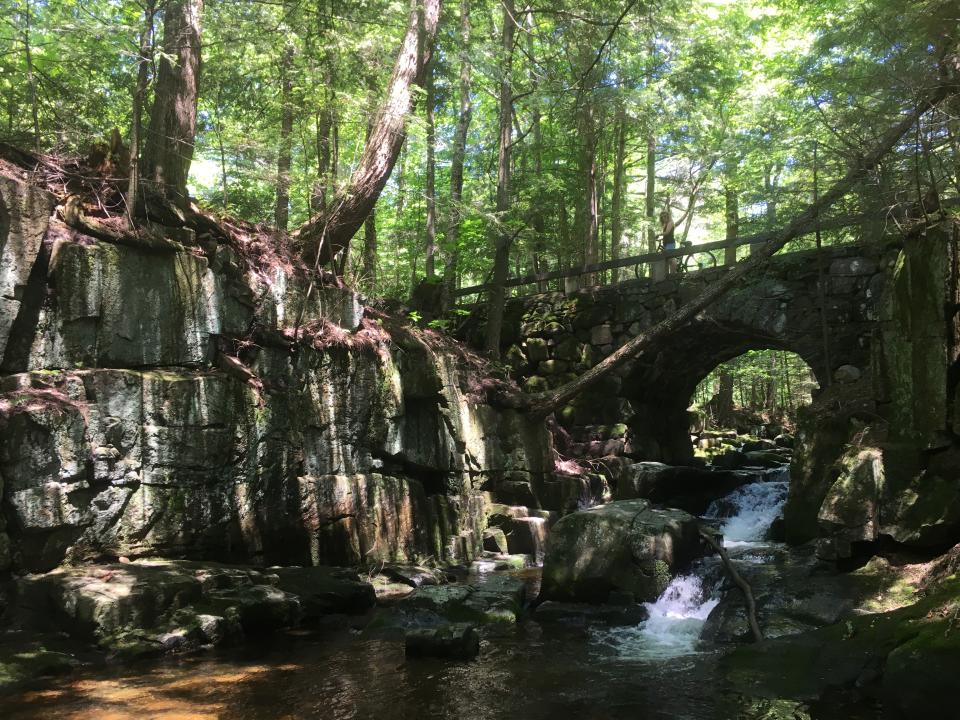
(154, 404)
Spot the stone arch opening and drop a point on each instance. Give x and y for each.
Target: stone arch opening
(660, 386)
(758, 392)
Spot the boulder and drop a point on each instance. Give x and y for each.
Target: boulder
(846, 374)
(456, 641)
(495, 541)
(325, 590)
(627, 545)
(688, 488)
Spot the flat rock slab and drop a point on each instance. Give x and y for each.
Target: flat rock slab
(150, 607)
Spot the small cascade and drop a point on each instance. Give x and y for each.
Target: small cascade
(749, 511)
(675, 621)
(672, 628)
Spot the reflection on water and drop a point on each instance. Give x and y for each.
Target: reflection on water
(656, 670)
(551, 671)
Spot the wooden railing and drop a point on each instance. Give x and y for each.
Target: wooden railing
(684, 255)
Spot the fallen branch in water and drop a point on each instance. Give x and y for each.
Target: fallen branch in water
(741, 583)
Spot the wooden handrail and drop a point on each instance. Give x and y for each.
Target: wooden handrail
(755, 239)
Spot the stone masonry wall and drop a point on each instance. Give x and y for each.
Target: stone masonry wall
(551, 338)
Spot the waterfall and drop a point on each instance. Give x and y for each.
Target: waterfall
(749, 511)
(675, 620)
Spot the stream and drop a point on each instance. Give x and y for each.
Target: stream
(657, 669)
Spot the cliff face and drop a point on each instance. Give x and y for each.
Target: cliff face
(154, 404)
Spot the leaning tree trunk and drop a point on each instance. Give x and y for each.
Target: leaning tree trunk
(168, 151)
(501, 259)
(543, 404)
(330, 231)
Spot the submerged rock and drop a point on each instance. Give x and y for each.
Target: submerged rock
(627, 545)
(586, 613)
(456, 641)
(496, 599)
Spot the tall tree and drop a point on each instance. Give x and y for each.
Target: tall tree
(168, 151)
(144, 61)
(281, 212)
(619, 186)
(455, 217)
(329, 232)
(501, 259)
(431, 182)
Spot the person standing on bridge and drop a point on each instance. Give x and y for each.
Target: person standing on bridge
(667, 229)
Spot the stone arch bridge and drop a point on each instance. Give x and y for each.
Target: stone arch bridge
(550, 338)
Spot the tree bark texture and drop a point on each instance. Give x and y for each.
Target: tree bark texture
(329, 232)
(168, 151)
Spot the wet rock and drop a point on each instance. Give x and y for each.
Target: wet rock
(260, 608)
(23, 661)
(413, 575)
(324, 591)
(443, 600)
(850, 511)
(907, 658)
(758, 444)
(495, 599)
(688, 488)
(619, 614)
(494, 540)
(784, 440)
(766, 459)
(626, 545)
(846, 374)
(456, 641)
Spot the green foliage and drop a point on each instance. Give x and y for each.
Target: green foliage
(734, 95)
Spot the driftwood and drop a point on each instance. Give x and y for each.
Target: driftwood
(741, 583)
(143, 237)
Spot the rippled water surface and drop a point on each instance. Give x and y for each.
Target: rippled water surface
(550, 671)
(655, 670)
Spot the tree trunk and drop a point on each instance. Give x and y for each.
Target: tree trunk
(281, 212)
(369, 267)
(452, 239)
(223, 155)
(771, 181)
(619, 186)
(27, 18)
(431, 182)
(588, 212)
(330, 232)
(732, 216)
(173, 122)
(543, 404)
(537, 222)
(723, 404)
(144, 61)
(651, 193)
(501, 260)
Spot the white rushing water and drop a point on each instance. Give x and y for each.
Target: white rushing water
(750, 510)
(676, 619)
